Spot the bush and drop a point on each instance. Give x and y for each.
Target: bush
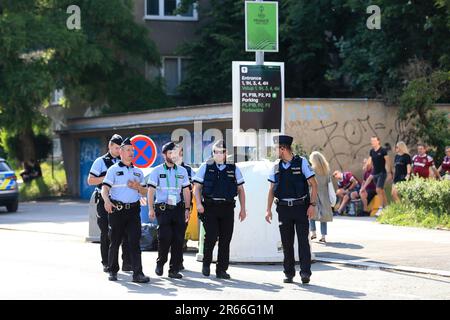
(430, 194)
(424, 203)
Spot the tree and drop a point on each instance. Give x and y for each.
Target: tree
(418, 104)
(373, 60)
(100, 63)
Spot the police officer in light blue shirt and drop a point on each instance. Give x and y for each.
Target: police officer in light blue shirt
(165, 183)
(121, 191)
(290, 181)
(216, 185)
(96, 176)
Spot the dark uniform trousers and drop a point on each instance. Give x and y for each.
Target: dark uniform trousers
(171, 225)
(218, 223)
(294, 219)
(125, 222)
(103, 224)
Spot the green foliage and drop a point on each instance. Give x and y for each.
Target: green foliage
(41, 142)
(424, 202)
(46, 186)
(417, 103)
(101, 63)
(326, 46)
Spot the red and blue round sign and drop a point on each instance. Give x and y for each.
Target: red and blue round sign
(144, 151)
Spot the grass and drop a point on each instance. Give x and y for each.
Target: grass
(46, 186)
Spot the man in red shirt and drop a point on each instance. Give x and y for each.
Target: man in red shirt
(348, 186)
(422, 163)
(444, 169)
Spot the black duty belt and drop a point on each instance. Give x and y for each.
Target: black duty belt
(164, 206)
(127, 206)
(218, 201)
(290, 203)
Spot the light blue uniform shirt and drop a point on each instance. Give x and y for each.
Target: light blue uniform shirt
(99, 168)
(117, 178)
(200, 176)
(167, 181)
(307, 171)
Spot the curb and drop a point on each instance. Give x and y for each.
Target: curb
(384, 267)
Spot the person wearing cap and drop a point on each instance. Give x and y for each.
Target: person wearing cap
(95, 178)
(216, 185)
(290, 181)
(178, 159)
(166, 182)
(121, 191)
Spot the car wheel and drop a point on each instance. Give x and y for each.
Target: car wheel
(12, 207)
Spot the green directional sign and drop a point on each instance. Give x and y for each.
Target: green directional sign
(261, 26)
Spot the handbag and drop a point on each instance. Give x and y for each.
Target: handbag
(331, 192)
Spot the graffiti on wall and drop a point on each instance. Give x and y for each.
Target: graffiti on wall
(343, 136)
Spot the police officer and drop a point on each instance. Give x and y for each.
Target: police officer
(178, 159)
(121, 192)
(96, 176)
(218, 183)
(289, 184)
(166, 182)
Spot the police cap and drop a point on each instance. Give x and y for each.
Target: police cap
(117, 139)
(169, 146)
(283, 140)
(219, 144)
(126, 142)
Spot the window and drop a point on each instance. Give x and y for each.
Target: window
(165, 10)
(4, 167)
(174, 72)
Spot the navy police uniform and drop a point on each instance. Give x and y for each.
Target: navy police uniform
(291, 191)
(169, 211)
(125, 219)
(219, 188)
(98, 169)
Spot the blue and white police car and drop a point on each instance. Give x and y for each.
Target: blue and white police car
(9, 189)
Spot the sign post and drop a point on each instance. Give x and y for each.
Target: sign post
(144, 151)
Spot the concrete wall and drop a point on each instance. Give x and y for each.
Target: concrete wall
(341, 128)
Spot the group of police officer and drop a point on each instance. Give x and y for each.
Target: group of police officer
(215, 187)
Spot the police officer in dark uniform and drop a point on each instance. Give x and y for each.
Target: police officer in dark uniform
(165, 184)
(96, 176)
(121, 191)
(216, 185)
(289, 185)
(179, 161)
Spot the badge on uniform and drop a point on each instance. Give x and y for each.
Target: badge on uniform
(172, 200)
(119, 173)
(162, 175)
(180, 176)
(137, 174)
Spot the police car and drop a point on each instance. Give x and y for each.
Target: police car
(9, 189)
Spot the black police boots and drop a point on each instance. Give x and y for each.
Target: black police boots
(159, 270)
(112, 276)
(141, 278)
(206, 271)
(175, 275)
(288, 280)
(305, 278)
(222, 275)
(105, 268)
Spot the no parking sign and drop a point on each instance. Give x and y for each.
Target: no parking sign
(144, 151)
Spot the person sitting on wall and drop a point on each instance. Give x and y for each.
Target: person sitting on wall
(27, 172)
(348, 188)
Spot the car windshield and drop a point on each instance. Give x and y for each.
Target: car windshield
(4, 167)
